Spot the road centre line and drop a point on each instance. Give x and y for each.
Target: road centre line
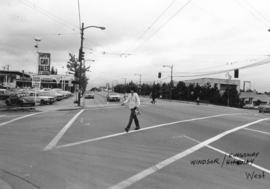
(258, 131)
(142, 129)
(18, 118)
(56, 139)
(141, 175)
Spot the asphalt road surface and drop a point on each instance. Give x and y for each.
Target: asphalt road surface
(180, 145)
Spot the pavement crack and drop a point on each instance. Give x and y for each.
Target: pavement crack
(21, 178)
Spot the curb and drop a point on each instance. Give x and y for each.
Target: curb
(69, 109)
(4, 185)
(18, 109)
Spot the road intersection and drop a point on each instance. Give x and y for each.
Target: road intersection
(88, 148)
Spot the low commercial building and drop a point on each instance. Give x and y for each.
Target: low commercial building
(13, 79)
(55, 81)
(221, 84)
(254, 98)
(20, 79)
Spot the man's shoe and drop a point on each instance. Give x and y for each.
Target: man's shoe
(126, 129)
(137, 128)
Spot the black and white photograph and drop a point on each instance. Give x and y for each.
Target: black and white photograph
(125, 94)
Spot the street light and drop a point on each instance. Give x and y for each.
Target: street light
(114, 81)
(125, 80)
(171, 67)
(99, 27)
(140, 76)
(171, 85)
(81, 54)
(37, 40)
(140, 84)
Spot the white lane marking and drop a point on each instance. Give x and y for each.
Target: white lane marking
(18, 118)
(178, 136)
(258, 131)
(141, 175)
(56, 139)
(143, 129)
(227, 154)
(98, 107)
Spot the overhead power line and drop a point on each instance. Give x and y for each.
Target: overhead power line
(164, 24)
(197, 74)
(140, 36)
(257, 11)
(49, 15)
(254, 12)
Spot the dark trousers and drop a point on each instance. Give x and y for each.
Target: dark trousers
(153, 100)
(131, 117)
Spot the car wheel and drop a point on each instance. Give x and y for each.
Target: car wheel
(7, 103)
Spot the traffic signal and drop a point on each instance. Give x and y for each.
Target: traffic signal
(236, 73)
(159, 74)
(81, 55)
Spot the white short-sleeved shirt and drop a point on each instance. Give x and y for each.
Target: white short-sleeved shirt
(133, 100)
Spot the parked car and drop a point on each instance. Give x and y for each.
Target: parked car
(113, 97)
(56, 94)
(65, 94)
(264, 108)
(89, 95)
(15, 100)
(250, 106)
(3, 94)
(41, 98)
(48, 94)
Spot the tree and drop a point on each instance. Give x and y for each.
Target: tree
(165, 91)
(181, 91)
(53, 71)
(230, 97)
(80, 73)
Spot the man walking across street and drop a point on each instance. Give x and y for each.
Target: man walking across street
(133, 101)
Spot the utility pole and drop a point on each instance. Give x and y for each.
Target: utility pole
(81, 58)
(140, 78)
(171, 83)
(140, 81)
(80, 67)
(228, 88)
(125, 81)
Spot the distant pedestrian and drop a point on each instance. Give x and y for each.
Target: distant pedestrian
(198, 100)
(133, 101)
(154, 93)
(125, 96)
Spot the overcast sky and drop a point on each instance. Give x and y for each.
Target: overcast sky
(193, 35)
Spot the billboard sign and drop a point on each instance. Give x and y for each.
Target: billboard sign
(44, 62)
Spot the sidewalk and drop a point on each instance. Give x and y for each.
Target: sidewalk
(63, 105)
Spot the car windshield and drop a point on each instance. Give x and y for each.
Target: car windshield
(134, 94)
(44, 94)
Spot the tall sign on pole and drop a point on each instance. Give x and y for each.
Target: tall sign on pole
(44, 62)
(36, 82)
